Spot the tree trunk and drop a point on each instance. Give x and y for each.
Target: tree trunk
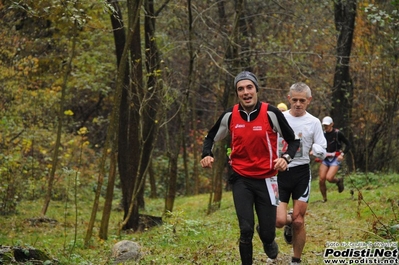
(59, 125)
(180, 141)
(185, 162)
(130, 147)
(153, 185)
(191, 55)
(217, 177)
(119, 40)
(103, 233)
(154, 89)
(112, 132)
(196, 154)
(345, 14)
(171, 194)
(143, 113)
(173, 154)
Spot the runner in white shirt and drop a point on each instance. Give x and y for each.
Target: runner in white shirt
(295, 181)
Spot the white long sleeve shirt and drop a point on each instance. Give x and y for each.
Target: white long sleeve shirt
(309, 130)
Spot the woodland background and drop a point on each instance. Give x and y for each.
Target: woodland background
(116, 97)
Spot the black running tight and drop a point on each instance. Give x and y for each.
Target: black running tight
(249, 195)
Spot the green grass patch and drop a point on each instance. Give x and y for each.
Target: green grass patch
(190, 236)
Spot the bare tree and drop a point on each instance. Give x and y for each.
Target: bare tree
(345, 14)
(60, 121)
(143, 104)
(119, 40)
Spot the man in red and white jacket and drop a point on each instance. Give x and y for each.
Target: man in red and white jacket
(254, 127)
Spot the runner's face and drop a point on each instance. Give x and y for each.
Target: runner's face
(247, 95)
(299, 103)
(328, 128)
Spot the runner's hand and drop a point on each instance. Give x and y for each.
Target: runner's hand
(207, 162)
(281, 164)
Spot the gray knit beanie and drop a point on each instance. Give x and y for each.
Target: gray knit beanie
(245, 75)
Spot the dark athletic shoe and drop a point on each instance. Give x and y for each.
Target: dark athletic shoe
(288, 232)
(340, 185)
(271, 250)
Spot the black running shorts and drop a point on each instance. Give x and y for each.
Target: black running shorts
(294, 182)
